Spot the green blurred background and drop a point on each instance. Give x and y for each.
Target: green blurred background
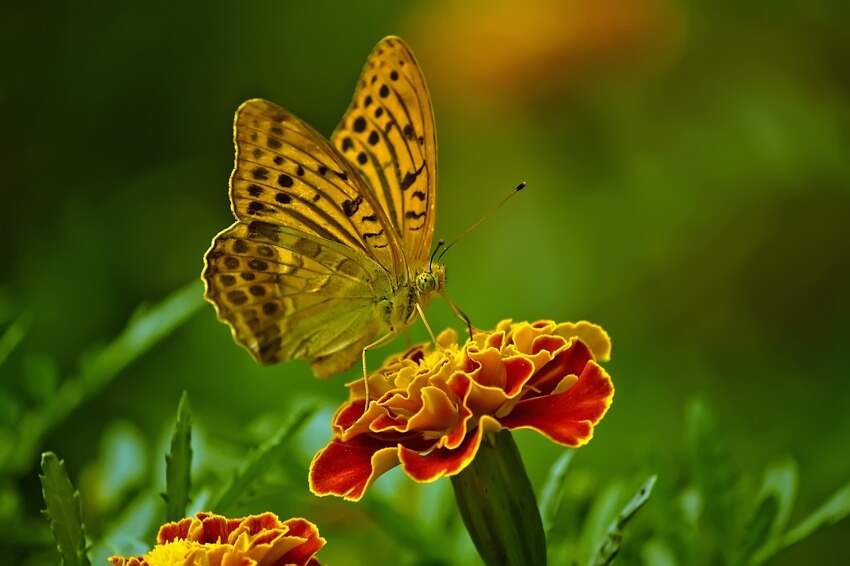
(688, 165)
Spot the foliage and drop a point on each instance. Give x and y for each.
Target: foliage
(63, 511)
(178, 464)
(695, 203)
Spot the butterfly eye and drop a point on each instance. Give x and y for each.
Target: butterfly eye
(426, 282)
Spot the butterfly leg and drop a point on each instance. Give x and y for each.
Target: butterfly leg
(377, 343)
(459, 313)
(425, 321)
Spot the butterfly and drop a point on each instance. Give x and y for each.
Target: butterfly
(329, 254)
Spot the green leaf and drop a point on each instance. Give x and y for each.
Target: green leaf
(144, 329)
(603, 510)
(498, 507)
(781, 479)
(178, 464)
(63, 511)
(553, 490)
(610, 546)
(270, 452)
(758, 528)
(771, 513)
(13, 336)
(835, 509)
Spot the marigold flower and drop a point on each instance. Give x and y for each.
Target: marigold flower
(213, 540)
(429, 408)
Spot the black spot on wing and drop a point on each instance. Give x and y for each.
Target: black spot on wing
(410, 177)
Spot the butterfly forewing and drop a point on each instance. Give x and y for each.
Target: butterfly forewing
(286, 174)
(388, 135)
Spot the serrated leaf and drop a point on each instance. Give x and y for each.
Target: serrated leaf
(610, 546)
(261, 460)
(553, 491)
(63, 511)
(178, 464)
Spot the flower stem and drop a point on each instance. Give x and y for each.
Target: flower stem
(498, 507)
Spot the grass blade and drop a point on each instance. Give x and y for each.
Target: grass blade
(63, 511)
(178, 464)
(610, 546)
(261, 459)
(553, 491)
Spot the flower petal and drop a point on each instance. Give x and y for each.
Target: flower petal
(571, 360)
(591, 334)
(567, 418)
(346, 468)
(303, 529)
(441, 462)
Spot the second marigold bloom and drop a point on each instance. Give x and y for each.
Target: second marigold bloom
(429, 408)
(212, 540)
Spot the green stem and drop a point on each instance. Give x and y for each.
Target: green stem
(498, 507)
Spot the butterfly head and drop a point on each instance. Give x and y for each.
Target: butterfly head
(432, 280)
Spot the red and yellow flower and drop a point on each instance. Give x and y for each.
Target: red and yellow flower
(213, 540)
(429, 408)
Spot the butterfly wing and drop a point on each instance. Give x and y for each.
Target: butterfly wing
(287, 174)
(388, 135)
(301, 273)
(287, 294)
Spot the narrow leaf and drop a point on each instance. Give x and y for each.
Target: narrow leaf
(270, 452)
(772, 510)
(63, 511)
(178, 464)
(553, 491)
(143, 331)
(835, 509)
(13, 336)
(832, 511)
(610, 546)
(757, 530)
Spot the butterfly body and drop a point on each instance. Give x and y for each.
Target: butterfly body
(400, 307)
(330, 249)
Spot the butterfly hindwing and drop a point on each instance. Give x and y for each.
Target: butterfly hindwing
(388, 135)
(287, 294)
(287, 174)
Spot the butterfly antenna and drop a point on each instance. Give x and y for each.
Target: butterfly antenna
(485, 217)
(439, 245)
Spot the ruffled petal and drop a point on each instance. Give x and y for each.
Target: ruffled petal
(567, 418)
(441, 462)
(346, 468)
